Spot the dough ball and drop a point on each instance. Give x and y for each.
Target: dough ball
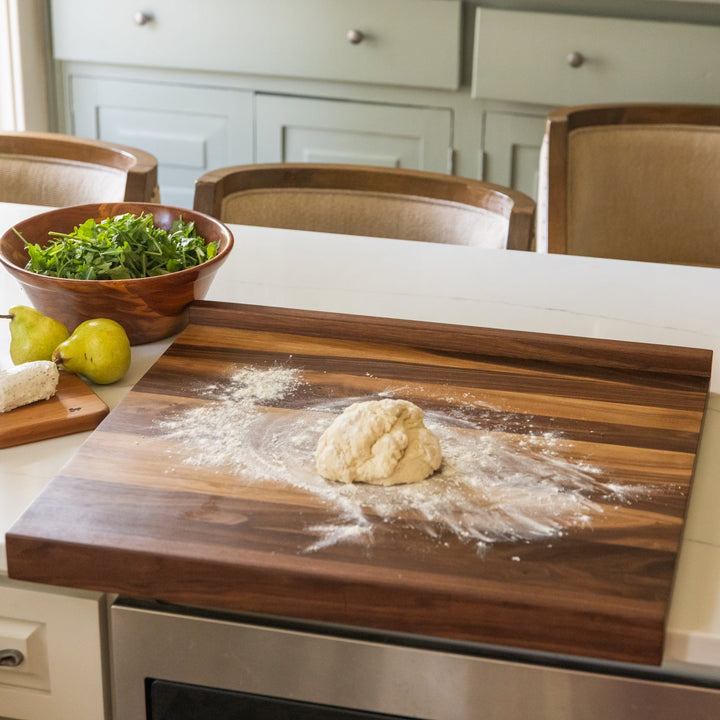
(382, 442)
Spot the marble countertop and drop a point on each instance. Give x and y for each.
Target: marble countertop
(504, 289)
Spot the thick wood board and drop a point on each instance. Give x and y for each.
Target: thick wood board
(74, 408)
(597, 437)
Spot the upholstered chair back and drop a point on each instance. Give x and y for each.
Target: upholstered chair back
(357, 200)
(58, 170)
(621, 187)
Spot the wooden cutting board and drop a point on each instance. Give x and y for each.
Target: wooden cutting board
(74, 408)
(553, 524)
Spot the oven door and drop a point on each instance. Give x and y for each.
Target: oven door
(179, 701)
(171, 663)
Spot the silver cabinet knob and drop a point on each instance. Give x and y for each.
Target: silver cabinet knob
(11, 658)
(575, 59)
(355, 36)
(142, 17)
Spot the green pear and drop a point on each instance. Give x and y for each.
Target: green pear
(98, 349)
(33, 336)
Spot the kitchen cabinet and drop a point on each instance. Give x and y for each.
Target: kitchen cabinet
(192, 129)
(226, 117)
(439, 85)
(62, 670)
(189, 129)
(292, 129)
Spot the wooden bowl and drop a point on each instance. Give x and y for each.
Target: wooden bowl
(148, 308)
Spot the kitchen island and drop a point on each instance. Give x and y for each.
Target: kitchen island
(506, 290)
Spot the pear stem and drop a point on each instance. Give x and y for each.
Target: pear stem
(7, 317)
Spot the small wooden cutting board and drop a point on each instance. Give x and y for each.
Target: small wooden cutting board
(74, 408)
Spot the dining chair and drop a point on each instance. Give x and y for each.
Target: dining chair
(40, 168)
(633, 182)
(372, 201)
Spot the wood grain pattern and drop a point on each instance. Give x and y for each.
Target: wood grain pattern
(129, 515)
(74, 408)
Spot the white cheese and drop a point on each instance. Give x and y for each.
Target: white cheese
(27, 383)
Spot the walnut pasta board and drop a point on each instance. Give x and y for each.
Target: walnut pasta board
(553, 523)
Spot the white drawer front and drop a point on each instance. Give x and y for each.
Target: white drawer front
(405, 42)
(523, 56)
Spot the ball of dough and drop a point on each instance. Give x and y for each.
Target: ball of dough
(382, 442)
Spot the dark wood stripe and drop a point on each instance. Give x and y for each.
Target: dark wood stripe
(659, 390)
(457, 338)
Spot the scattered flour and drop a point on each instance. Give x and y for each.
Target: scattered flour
(492, 486)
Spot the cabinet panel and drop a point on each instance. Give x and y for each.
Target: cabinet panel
(189, 129)
(619, 60)
(61, 635)
(406, 42)
(293, 129)
(512, 150)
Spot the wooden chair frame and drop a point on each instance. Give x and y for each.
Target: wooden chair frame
(562, 121)
(212, 187)
(139, 166)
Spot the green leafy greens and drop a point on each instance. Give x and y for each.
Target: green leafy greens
(118, 248)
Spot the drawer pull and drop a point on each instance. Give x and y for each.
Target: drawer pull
(575, 59)
(355, 36)
(142, 17)
(11, 658)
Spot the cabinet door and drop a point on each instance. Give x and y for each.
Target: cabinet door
(293, 129)
(189, 129)
(60, 635)
(512, 150)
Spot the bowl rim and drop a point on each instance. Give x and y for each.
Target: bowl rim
(226, 244)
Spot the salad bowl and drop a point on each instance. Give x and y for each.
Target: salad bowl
(149, 308)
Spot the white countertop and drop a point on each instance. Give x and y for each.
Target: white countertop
(493, 288)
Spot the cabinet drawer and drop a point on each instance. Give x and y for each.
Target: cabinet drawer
(523, 56)
(405, 42)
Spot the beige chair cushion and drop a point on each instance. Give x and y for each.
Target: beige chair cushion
(366, 213)
(46, 181)
(645, 192)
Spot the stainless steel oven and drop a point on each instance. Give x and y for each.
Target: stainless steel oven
(173, 663)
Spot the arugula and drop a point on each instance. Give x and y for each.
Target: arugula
(118, 248)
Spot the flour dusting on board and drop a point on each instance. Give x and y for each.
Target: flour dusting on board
(492, 486)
